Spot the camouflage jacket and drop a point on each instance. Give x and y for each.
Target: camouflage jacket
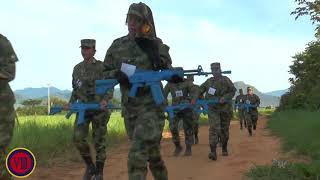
(125, 50)
(218, 87)
(181, 92)
(83, 82)
(8, 59)
(252, 99)
(240, 99)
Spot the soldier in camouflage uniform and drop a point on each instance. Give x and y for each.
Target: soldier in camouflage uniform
(182, 91)
(140, 49)
(83, 82)
(240, 100)
(252, 115)
(222, 88)
(8, 59)
(196, 115)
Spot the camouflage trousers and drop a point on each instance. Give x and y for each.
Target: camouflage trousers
(128, 123)
(99, 120)
(219, 122)
(186, 116)
(7, 121)
(196, 118)
(242, 119)
(145, 123)
(251, 118)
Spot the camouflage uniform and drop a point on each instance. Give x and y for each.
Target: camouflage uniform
(252, 115)
(196, 115)
(240, 100)
(8, 59)
(145, 117)
(83, 83)
(182, 92)
(219, 115)
(196, 119)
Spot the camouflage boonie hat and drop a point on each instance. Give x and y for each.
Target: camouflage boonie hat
(215, 65)
(91, 43)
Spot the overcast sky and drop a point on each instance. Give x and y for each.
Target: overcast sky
(254, 39)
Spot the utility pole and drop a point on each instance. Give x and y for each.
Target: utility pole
(48, 98)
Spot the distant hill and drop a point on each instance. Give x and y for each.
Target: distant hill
(42, 93)
(266, 100)
(277, 93)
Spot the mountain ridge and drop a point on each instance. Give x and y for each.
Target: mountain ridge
(42, 93)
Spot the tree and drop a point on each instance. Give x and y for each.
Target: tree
(30, 106)
(305, 86)
(310, 8)
(31, 102)
(58, 101)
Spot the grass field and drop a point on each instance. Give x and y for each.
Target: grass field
(50, 137)
(300, 134)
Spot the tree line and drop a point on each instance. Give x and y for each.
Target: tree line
(304, 92)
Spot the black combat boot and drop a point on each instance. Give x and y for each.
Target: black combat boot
(90, 169)
(225, 149)
(178, 149)
(250, 130)
(213, 153)
(196, 139)
(188, 151)
(99, 170)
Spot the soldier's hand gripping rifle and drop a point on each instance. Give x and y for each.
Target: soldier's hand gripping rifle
(245, 106)
(172, 108)
(80, 108)
(150, 78)
(206, 103)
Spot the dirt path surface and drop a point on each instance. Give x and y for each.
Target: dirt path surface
(244, 152)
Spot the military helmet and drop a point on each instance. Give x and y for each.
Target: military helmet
(144, 12)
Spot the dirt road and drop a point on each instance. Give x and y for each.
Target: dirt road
(244, 152)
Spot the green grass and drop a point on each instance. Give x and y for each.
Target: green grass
(265, 112)
(292, 171)
(50, 137)
(300, 133)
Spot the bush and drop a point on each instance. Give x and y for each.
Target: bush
(305, 88)
(29, 111)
